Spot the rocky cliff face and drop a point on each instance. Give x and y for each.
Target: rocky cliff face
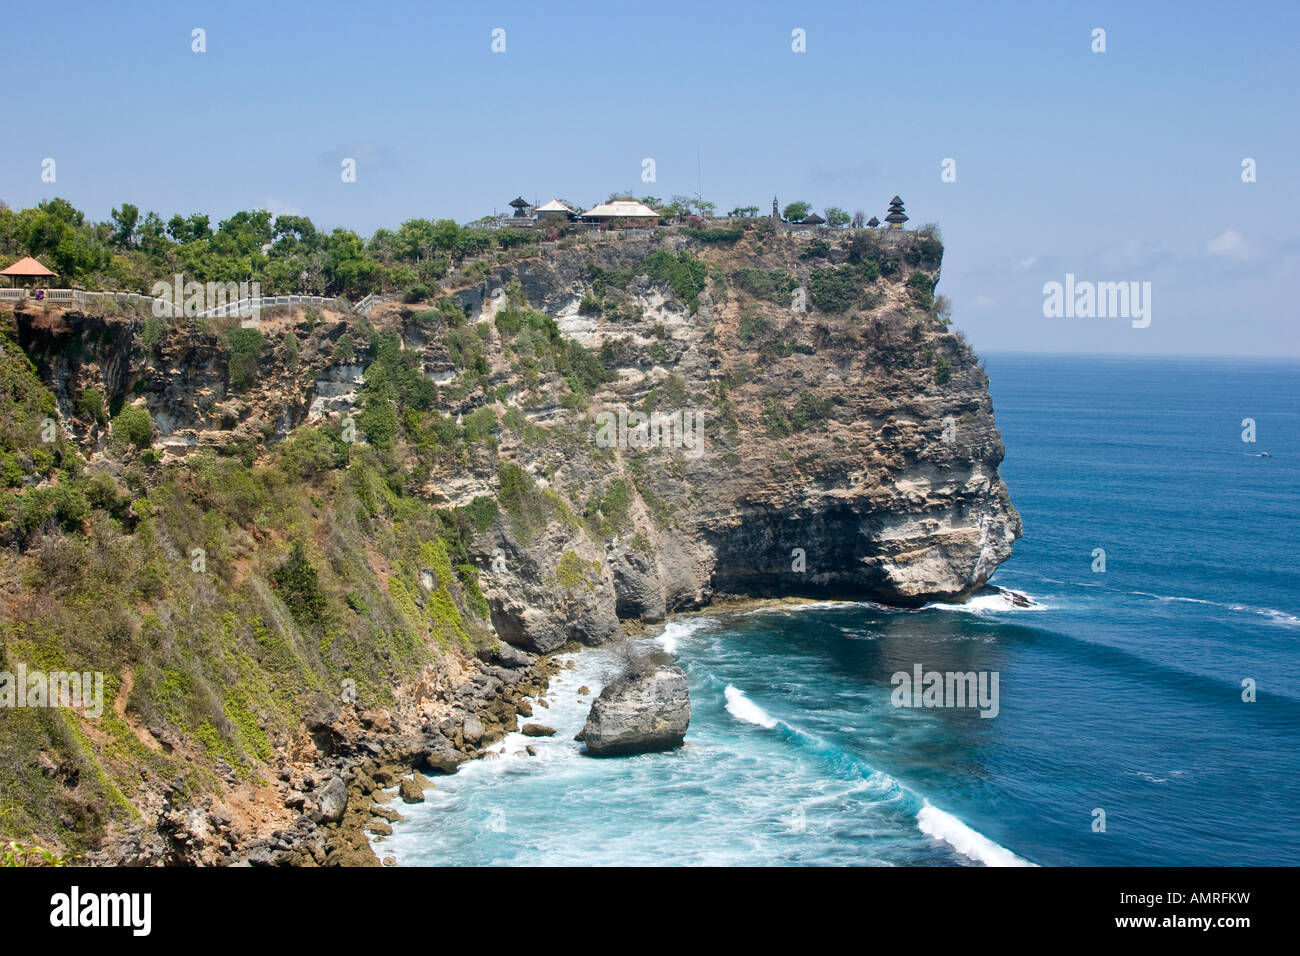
(298, 568)
(814, 428)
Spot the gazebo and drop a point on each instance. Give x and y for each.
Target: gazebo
(812, 219)
(896, 216)
(873, 222)
(27, 268)
(521, 206)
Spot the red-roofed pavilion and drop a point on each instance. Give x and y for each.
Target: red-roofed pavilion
(27, 268)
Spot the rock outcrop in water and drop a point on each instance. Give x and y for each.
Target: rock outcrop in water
(645, 710)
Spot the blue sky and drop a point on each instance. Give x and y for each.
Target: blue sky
(1115, 166)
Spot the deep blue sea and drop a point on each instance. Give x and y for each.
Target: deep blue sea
(1123, 693)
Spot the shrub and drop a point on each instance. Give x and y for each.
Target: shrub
(153, 331)
(379, 421)
(482, 513)
(519, 495)
(132, 425)
(463, 347)
(420, 292)
(921, 287)
(345, 349)
(310, 452)
(771, 285)
(480, 424)
(835, 289)
(91, 404)
(474, 598)
(725, 234)
(778, 422)
(809, 409)
(753, 327)
(684, 273)
(246, 347)
(69, 505)
(296, 582)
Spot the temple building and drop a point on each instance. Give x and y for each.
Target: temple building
(554, 210)
(896, 216)
(625, 209)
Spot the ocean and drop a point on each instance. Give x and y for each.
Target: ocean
(1121, 737)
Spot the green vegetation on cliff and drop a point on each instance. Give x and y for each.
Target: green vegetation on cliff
(222, 602)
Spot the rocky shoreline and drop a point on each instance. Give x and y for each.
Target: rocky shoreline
(341, 794)
(343, 798)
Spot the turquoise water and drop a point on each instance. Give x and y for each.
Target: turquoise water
(1123, 692)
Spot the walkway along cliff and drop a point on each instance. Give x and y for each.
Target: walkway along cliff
(281, 542)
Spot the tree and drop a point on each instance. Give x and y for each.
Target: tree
(290, 232)
(125, 220)
(796, 211)
(859, 219)
(193, 229)
(835, 216)
(414, 240)
(445, 234)
(152, 237)
(56, 229)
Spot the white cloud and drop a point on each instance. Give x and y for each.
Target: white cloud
(1024, 265)
(277, 208)
(1134, 253)
(1229, 245)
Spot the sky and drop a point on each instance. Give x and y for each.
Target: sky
(1117, 166)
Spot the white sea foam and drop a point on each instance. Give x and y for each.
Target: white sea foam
(1000, 601)
(674, 631)
(1282, 618)
(742, 708)
(944, 826)
(804, 606)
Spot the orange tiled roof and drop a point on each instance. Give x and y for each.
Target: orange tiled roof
(27, 266)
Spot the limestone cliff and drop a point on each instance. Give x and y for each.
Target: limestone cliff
(292, 550)
(845, 441)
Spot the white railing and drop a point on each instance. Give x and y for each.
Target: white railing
(245, 306)
(82, 297)
(79, 296)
